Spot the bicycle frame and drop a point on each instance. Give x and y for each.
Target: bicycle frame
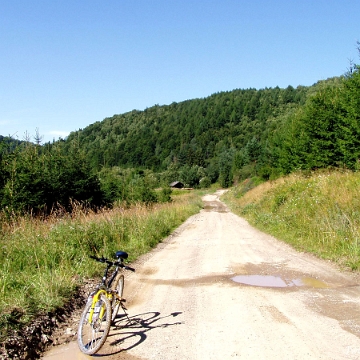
(94, 301)
(103, 289)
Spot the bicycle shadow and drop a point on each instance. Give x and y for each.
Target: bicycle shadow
(131, 331)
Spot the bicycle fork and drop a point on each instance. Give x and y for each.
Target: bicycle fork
(95, 300)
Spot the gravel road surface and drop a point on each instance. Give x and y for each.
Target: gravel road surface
(220, 289)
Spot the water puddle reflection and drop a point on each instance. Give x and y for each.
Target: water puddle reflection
(277, 281)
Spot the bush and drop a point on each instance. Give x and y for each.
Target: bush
(205, 182)
(165, 195)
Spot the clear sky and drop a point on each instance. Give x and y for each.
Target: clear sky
(65, 64)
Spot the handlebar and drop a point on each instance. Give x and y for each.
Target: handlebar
(112, 263)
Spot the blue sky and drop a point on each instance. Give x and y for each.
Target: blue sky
(67, 64)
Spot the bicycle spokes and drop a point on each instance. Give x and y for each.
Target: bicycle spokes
(94, 325)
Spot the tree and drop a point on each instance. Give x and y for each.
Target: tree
(39, 179)
(225, 167)
(348, 131)
(38, 138)
(321, 125)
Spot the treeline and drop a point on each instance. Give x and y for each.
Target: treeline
(231, 136)
(44, 179)
(323, 133)
(225, 138)
(201, 140)
(192, 132)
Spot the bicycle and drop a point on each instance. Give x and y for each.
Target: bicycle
(102, 306)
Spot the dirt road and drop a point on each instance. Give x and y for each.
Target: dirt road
(220, 289)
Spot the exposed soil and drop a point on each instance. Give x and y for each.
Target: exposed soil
(49, 329)
(220, 289)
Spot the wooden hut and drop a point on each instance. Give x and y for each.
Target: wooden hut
(176, 185)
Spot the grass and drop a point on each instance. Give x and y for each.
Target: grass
(43, 262)
(317, 213)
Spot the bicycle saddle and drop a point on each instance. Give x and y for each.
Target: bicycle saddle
(121, 255)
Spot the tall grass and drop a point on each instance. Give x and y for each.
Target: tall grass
(318, 213)
(42, 262)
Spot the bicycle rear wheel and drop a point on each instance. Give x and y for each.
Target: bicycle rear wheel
(92, 335)
(119, 288)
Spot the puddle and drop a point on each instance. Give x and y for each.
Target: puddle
(71, 351)
(215, 206)
(67, 351)
(277, 281)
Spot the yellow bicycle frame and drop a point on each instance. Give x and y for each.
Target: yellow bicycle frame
(95, 300)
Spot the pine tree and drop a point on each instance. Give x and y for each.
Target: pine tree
(348, 134)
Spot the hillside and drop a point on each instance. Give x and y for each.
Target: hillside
(315, 212)
(230, 136)
(225, 138)
(193, 132)
(244, 134)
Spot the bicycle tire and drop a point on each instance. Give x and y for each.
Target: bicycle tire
(119, 288)
(92, 336)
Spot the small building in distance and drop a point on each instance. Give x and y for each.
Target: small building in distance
(176, 185)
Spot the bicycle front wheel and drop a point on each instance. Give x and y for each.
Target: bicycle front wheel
(92, 334)
(119, 289)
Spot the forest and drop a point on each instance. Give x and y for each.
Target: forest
(226, 137)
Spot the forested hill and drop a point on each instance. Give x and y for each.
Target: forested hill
(226, 137)
(193, 132)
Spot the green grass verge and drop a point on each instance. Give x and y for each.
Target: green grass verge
(317, 213)
(42, 263)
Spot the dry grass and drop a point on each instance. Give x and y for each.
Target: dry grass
(43, 261)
